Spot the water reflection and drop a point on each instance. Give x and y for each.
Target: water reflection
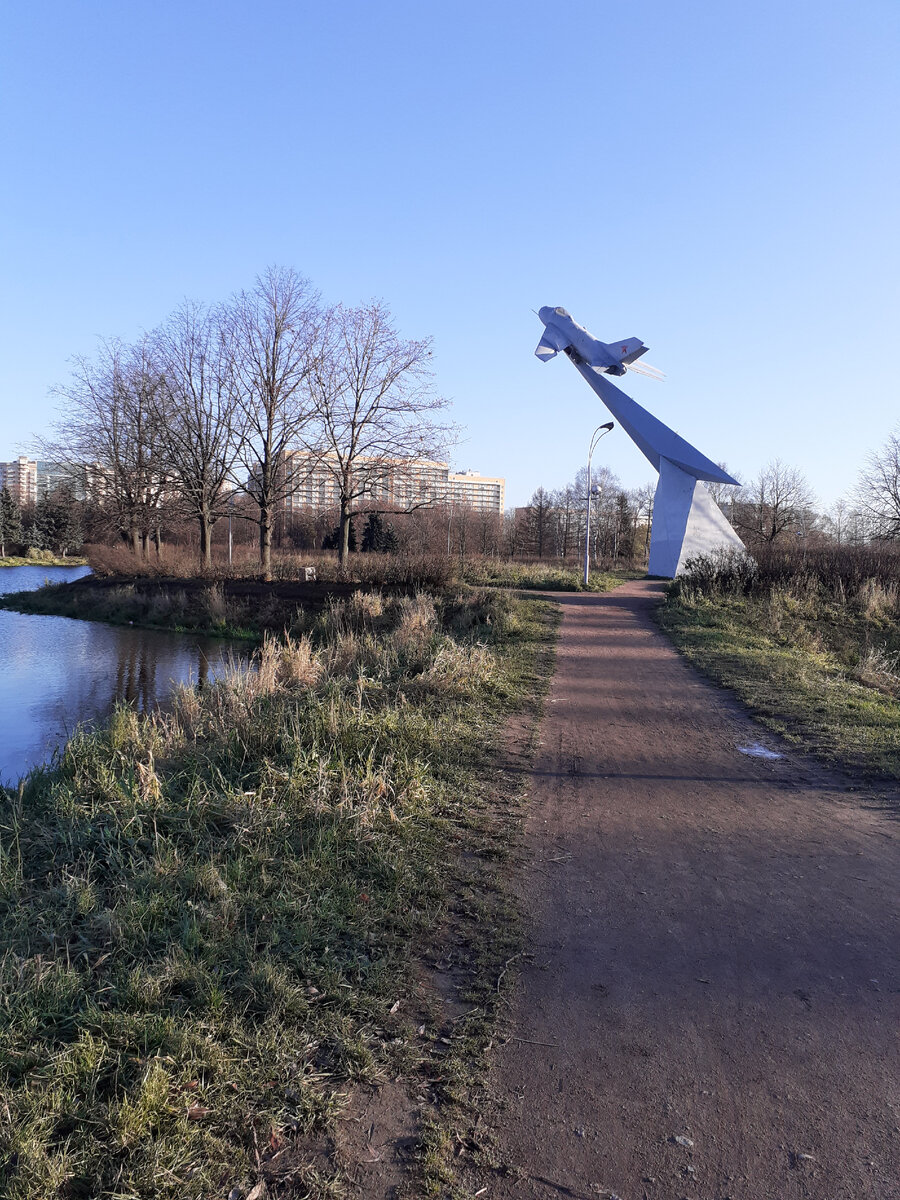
(56, 673)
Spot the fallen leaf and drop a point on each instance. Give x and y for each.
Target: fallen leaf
(197, 1112)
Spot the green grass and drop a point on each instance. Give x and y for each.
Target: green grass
(820, 671)
(208, 917)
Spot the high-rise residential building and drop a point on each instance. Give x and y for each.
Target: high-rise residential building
(485, 493)
(20, 479)
(51, 475)
(27, 480)
(398, 483)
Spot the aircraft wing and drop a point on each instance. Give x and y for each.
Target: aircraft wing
(551, 343)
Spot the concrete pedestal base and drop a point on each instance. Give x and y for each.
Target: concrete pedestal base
(686, 522)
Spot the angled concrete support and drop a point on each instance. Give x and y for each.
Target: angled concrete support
(686, 520)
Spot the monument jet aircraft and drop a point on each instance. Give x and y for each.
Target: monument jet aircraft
(687, 522)
(563, 333)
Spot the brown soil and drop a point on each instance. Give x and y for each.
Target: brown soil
(708, 1006)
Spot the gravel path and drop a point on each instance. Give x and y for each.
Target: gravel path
(709, 1008)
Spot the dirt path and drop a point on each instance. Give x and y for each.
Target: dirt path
(711, 1009)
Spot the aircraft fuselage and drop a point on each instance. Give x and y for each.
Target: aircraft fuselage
(563, 333)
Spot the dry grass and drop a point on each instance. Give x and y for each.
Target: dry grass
(815, 654)
(207, 916)
(406, 570)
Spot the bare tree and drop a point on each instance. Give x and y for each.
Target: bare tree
(513, 531)
(837, 520)
(724, 494)
(200, 418)
(644, 498)
(489, 528)
(109, 432)
(272, 330)
(778, 501)
(604, 487)
(540, 522)
(878, 488)
(375, 409)
(567, 509)
(461, 529)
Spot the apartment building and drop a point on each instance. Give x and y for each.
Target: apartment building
(484, 493)
(20, 478)
(397, 483)
(51, 475)
(28, 480)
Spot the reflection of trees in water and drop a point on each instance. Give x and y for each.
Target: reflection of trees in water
(135, 673)
(54, 677)
(140, 659)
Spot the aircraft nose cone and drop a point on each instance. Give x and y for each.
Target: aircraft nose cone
(546, 313)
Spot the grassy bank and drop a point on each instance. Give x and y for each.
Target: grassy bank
(242, 608)
(219, 609)
(216, 923)
(814, 650)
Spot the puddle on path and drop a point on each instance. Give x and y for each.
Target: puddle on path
(757, 750)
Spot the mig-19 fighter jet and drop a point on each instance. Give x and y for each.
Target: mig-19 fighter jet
(687, 522)
(563, 333)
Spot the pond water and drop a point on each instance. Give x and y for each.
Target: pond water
(57, 673)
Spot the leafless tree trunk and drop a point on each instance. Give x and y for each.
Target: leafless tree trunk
(201, 424)
(273, 333)
(374, 405)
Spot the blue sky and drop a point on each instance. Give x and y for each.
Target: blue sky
(719, 180)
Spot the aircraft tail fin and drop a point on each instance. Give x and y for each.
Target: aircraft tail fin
(628, 349)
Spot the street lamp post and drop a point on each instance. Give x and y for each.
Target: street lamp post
(599, 432)
(230, 511)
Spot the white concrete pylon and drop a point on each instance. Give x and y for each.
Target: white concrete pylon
(686, 522)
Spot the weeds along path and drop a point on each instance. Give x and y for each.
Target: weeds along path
(708, 1005)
